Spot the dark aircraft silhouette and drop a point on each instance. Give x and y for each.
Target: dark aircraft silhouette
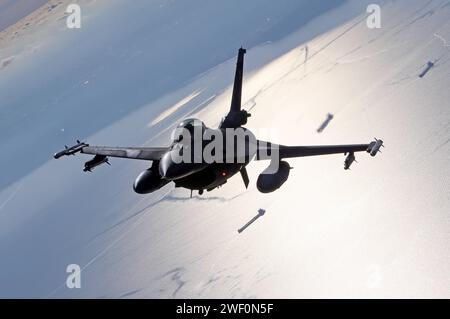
(201, 174)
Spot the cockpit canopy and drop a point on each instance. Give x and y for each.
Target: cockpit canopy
(190, 123)
(188, 127)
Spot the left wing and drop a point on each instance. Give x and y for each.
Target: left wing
(264, 150)
(141, 153)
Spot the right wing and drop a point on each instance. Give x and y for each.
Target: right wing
(265, 149)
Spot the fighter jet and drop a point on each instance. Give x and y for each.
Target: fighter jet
(180, 163)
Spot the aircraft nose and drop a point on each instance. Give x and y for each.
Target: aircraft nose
(170, 170)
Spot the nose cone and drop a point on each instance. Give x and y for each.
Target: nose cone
(138, 184)
(172, 170)
(169, 169)
(147, 182)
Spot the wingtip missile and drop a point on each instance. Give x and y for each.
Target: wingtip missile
(70, 150)
(375, 146)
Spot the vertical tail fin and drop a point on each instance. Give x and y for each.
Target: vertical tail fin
(237, 88)
(237, 117)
